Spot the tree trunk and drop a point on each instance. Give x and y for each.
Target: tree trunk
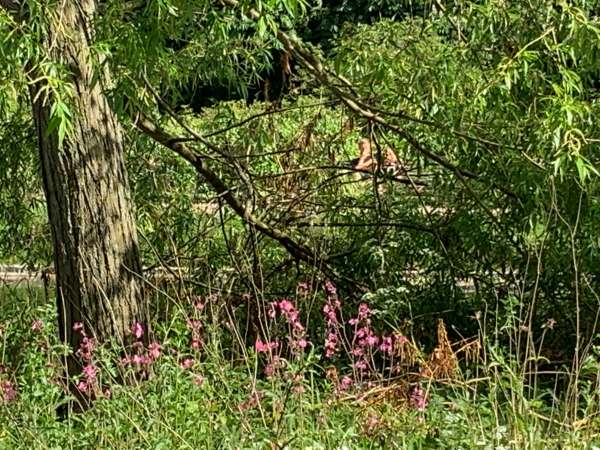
(85, 181)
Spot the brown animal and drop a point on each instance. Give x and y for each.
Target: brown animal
(368, 161)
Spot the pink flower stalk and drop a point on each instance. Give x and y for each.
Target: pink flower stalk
(372, 340)
(357, 351)
(137, 329)
(363, 311)
(196, 343)
(330, 288)
(418, 398)
(86, 349)
(87, 385)
(331, 345)
(198, 380)
(330, 313)
(37, 325)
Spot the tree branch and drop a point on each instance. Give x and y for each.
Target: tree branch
(311, 62)
(297, 250)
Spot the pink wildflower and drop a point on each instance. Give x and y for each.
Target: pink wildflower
(196, 343)
(193, 324)
(89, 372)
(137, 329)
(346, 383)
(186, 363)
(199, 304)
(82, 386)
(86, 348)
(330, 314)
(154, 350)
(7, 391)
(363, 311)
(418, 398)
(361, 364)
(302, 343)
(286, 305)
(386, 345)
(263, 347)
(198, 380)
(401, 339)
(139, 359)
(330, 288)
(358, 351)
(331, 344)
(78, 328)
(372, 340)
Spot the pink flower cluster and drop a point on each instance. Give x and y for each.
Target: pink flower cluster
(330, 311)
(141, 356)
(297, 334)
(7, 391)
(360, 343)
(265, 347)
(89, 383)
(365, 341)
(418, 398)
(392, 342)
(195, 326)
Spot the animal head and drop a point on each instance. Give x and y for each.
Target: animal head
(367, 160)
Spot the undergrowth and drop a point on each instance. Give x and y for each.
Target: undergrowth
(345, 386)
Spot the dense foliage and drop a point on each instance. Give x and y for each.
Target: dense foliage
(490, 107)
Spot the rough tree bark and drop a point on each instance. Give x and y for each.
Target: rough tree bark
(88, 200)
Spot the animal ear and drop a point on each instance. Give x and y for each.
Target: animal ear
(364, 146)
(391, 157)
